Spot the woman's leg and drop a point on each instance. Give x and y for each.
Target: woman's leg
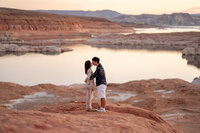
(91, 97)
(87, 98)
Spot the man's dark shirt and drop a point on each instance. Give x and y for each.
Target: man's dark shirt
(100, 76)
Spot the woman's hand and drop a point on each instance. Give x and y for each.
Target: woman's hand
(86, 80)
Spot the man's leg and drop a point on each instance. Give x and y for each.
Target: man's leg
(101, 89)
(103, 102)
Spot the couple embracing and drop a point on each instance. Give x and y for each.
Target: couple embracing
(101, 83)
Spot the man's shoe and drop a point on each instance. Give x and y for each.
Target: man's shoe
(101, 109)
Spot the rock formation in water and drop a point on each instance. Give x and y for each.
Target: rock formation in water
(166, 41)
(192, 50)
(13, 48)
(20, 50)
(192, 54)
(192, 59)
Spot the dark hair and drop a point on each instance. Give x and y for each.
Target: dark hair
(96, 59)
(87, 66)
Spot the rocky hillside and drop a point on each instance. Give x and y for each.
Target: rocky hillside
(175, 19)
(14, 19)
(98, 13)
(196, 17)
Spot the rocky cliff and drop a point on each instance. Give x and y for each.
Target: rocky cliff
(14, 19)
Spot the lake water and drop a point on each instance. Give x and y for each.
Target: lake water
(170, 29)
(121, 65)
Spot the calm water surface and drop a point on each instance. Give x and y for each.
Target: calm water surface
(170, 29)
(120, 65)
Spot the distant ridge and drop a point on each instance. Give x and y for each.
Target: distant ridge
(195, 14)
(98, 13)
(174, 19)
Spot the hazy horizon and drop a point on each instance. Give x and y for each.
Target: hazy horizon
(125, 6)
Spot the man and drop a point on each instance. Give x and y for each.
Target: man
(101, 83)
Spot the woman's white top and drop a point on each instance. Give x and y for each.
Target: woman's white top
(89, 83)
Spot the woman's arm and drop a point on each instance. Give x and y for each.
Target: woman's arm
(89, 73)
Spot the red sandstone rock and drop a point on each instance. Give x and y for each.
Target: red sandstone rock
(74, 119)
(176, 101)
(20, 20)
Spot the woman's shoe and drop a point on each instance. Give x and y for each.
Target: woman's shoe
(89, 110)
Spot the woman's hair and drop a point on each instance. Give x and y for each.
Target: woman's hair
(87, 66)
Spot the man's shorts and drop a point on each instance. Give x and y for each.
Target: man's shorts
(101, 90)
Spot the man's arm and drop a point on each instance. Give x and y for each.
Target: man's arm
(94, 75)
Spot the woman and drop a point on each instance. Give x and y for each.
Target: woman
(90, 85)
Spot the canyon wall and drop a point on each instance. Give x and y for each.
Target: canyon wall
(14, 19)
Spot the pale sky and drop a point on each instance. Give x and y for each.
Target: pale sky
(122, 6)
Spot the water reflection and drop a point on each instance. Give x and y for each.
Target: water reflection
(121, 65)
